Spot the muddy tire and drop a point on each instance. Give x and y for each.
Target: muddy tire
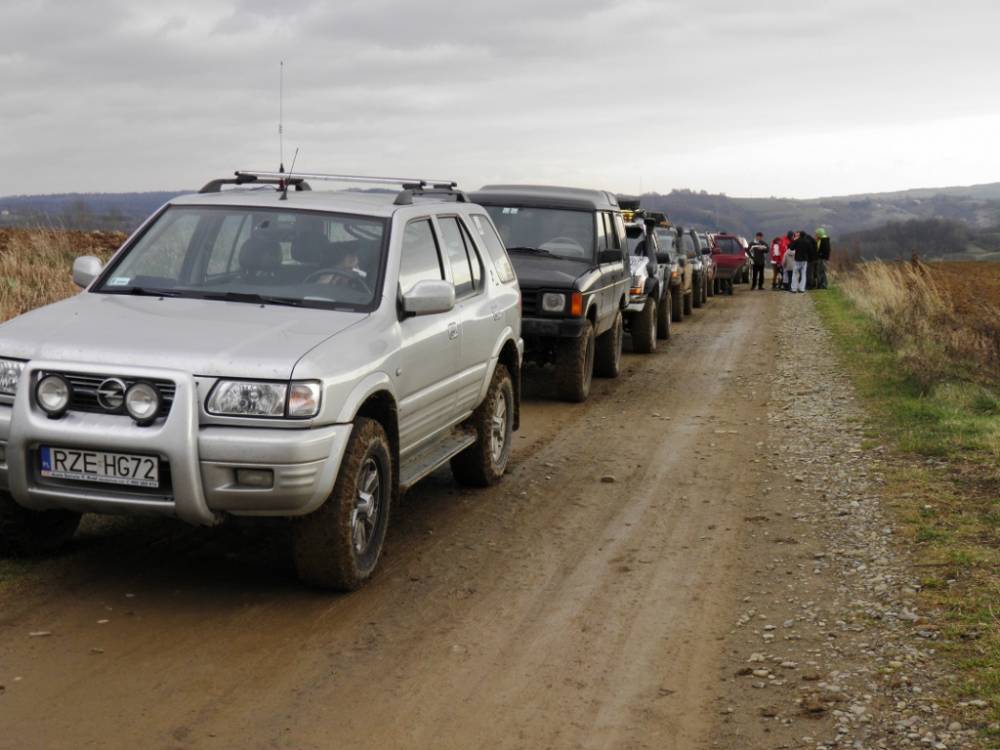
(729, 287)
(644, 329)
(688, 302)
(338, 546)
(25, 532)
(663, 315)
(608, 357)
(710, 288)
(699, 293)
(575, 366)
(677, 306)
(482, 464)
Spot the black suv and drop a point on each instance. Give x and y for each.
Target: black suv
(570, 254)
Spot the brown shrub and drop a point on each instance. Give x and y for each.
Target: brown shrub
(36, 264)
(923, 310)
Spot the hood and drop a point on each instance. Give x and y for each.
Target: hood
(541, 271)
(203, 337)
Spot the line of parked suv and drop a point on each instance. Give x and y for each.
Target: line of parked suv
(268, 350)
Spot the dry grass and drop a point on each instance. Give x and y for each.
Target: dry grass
(942, 319)
(36, 264)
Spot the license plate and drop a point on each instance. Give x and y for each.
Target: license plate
(97, 466)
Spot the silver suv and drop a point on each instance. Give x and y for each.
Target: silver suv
(266, 352)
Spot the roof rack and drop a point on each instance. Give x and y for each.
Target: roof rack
(280, 179)
(411, 186)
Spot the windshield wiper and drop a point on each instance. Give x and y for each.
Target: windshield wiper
(146, 291)
(252, 297)
(533, 250)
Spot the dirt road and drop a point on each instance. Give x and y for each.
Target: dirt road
(560, 609)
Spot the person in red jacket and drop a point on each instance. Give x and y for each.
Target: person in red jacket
(779, 245)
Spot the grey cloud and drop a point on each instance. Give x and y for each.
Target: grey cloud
(679, 93)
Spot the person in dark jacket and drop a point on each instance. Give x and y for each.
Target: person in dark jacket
(758, 250)
(813, 258)
(800, 247)
(823, 242)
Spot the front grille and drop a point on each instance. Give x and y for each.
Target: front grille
(85, 387)
(529, 302)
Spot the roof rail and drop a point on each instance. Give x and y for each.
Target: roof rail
(412, 186)
(248, 178)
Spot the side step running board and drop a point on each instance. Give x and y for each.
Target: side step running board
(433, 456)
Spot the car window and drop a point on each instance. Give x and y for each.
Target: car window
(461, 270)
(243, 253)
(620, 229)
(420, 260)
(729, 245)
(614, 234)
(666, 240)
(233, 232)
(687, 244)
(562, 232)
(475, 261)
(490, 238)
(603, 228)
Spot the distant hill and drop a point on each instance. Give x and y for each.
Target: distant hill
(121, 212)
(928, 238)
(975, 207)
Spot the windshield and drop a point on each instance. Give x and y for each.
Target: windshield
(255, 255)
(568, 234)
(729, 245)
(666, 240)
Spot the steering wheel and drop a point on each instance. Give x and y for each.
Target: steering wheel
(352, 278)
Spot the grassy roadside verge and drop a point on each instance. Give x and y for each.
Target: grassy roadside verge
(942, 484)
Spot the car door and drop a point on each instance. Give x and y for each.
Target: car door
(477, 316)
(428, 367)
(612, 272)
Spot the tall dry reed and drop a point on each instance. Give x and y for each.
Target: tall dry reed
(36, 265)
(921, 318)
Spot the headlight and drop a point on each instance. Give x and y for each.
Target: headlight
(142, 402)
(10, 373)
(553, 302)
(52, 394)
(245, 398)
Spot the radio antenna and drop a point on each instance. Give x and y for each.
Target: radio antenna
(281, 116)
(287, 180)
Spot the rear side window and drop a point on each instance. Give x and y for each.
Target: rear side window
(420, 259)
(489, 237)
(729, 245)
(458, 255)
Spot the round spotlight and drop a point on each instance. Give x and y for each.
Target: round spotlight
(53, 393)
(142, 402)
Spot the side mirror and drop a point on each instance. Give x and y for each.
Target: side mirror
(609, 256)
(85, 269)
(707, 251)
(429, 297)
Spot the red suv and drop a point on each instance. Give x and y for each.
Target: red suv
(730, 260)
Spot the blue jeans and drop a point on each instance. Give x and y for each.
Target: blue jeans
(799, 276)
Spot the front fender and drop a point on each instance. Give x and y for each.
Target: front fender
(371, 384)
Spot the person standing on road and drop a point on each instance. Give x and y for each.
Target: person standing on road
(758, 256)
(800, 246)
(778, 247)
(812, 250)
(788, 262)
(823, 242)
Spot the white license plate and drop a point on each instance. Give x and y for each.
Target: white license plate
(97, 466)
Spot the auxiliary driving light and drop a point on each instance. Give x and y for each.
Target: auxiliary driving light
(142, 402)
(53, 393)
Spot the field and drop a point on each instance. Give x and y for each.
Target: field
(922, 342)
(36, 264)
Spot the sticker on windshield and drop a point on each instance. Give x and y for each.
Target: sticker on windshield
(119, 280)
(511, 210)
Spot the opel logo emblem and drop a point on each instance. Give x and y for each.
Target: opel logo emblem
(111, 394)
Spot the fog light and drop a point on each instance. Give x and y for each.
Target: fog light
(52, 394)
(263, 478)
(142, 402)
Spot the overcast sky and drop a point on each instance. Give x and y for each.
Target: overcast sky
(748, 98)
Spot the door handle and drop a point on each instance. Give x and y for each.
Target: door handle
(453, 331)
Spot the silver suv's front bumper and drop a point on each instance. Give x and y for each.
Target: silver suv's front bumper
(202, 460)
